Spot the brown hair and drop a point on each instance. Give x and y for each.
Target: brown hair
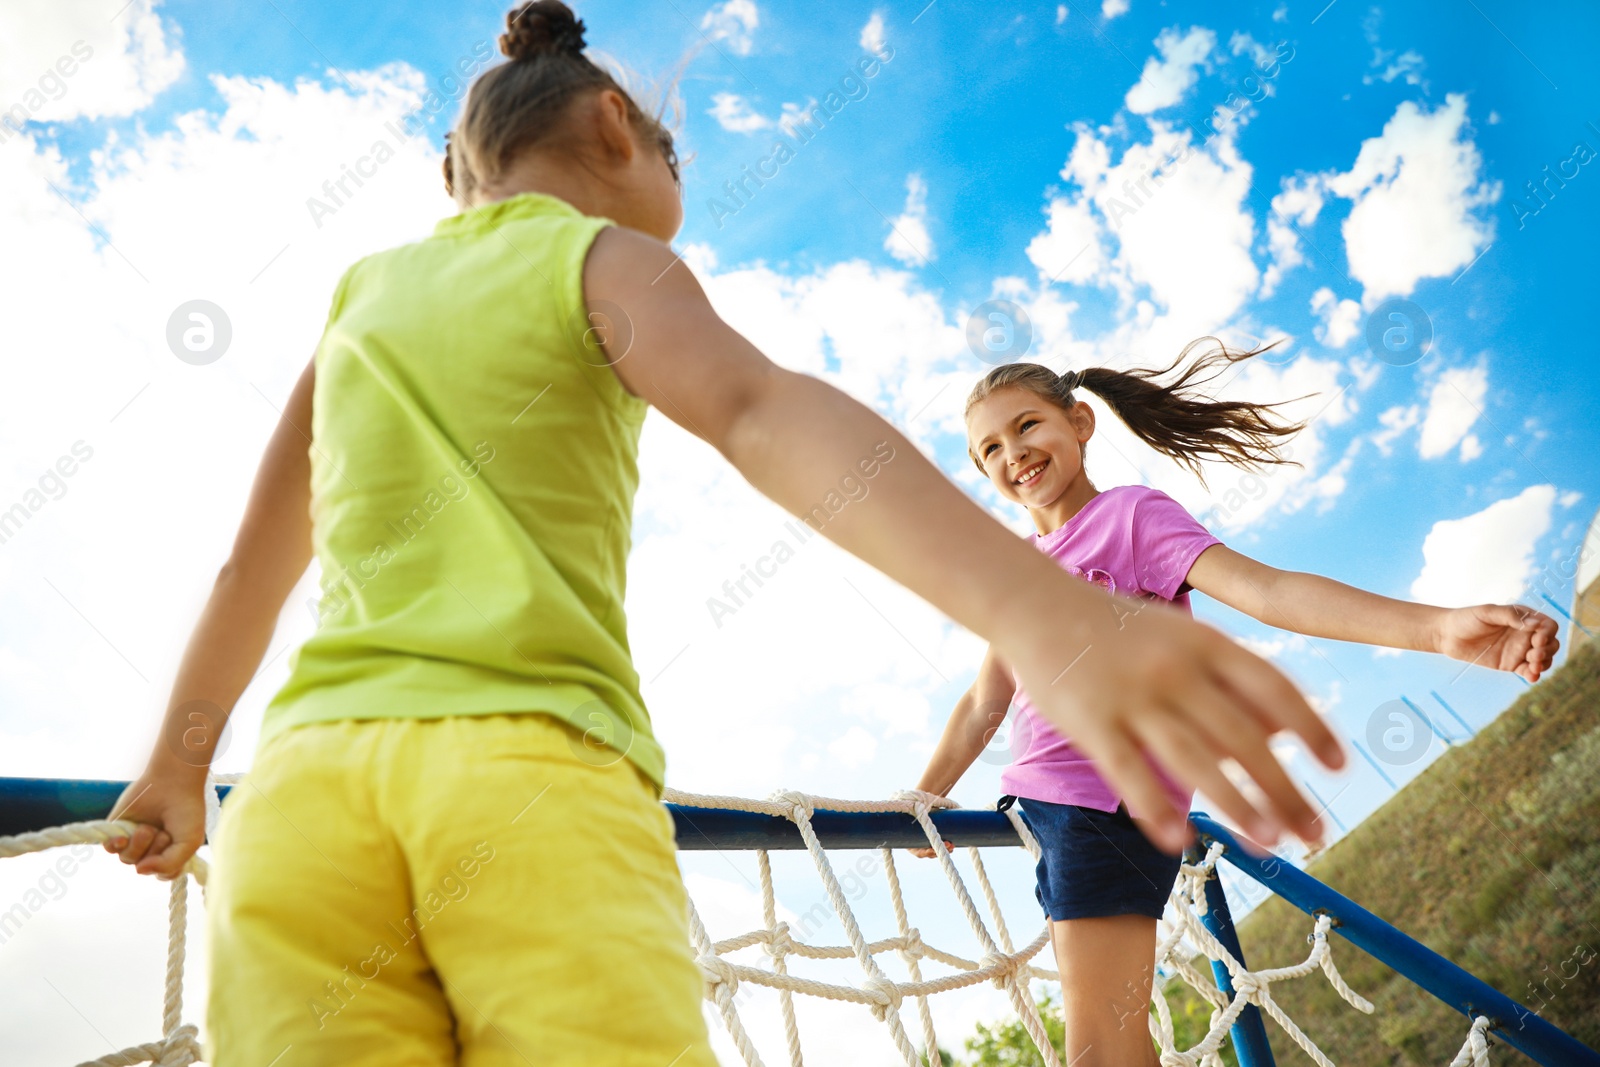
(1176, 419)
(521, 103)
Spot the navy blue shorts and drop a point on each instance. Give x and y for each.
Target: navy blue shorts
(1095, 863)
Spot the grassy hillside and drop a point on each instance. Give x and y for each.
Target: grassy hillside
(1491, 857)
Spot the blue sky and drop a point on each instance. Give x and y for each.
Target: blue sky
(1383, 154)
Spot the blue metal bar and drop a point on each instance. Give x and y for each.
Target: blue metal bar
(1568, 615)
(29, 804)
(1514, 1024)
(719, 828)
(1470, 731)
(1374, 764)
(1424, 715)
(1343, 829)
(1249, 1033)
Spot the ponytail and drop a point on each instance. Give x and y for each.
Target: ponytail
(1177, 419)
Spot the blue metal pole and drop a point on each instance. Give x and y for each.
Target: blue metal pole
(29, 804)
(1343, 829)
(1514, 1024)
(1564, 612)
(1424, 715)
(1374, 764)
(1249, 1033)
(1440, 700)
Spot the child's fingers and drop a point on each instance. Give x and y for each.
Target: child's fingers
(138, 843)
(1289, 809)
(1125, 768)
(1234, 733)
(1175, 742)
(158, 844)
(1274, 700)
(168, 860)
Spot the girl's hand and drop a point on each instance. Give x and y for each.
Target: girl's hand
(1136, 680)
(171, 811)
(926, 852)
(1504, 637)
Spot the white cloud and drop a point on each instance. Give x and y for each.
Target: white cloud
(1408, 65)
(1061, 14)
(734, 21)
(1386, 66)
(1110, 9)
(1177, 215)
(901, 711)
(63, 61)
(1454, 404)
(853, 749)
(1416, 189)
(1486, 557)
(734, 114)
(1341, 319)
(1165, 80)
(872, 34)
(1069, 249)
(1298, 204)
(909, 240)
(1395, 421)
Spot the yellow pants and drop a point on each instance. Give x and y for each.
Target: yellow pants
(468, 890)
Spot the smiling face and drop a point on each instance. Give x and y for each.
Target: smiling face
(1031, 449)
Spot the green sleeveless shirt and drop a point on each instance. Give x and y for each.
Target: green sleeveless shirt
(473, 468)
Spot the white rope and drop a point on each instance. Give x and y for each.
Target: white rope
(1475, 1053)
(1181, 937)
(180, 1043)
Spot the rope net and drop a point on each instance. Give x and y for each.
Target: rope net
(1182, 939)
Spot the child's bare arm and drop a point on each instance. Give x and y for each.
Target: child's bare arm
(1156, 682)
(270, 553)
(977, 715)
(1507, 637)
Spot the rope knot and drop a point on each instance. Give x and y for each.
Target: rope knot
(1005, 965)
(798, 804)
(886, 993)
(718, 972)
(1249, 984)
(922, 802)
(912, 944)
(182, 1047)
(780, 944)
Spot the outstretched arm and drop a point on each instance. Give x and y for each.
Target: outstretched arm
(977, 715)
(1157, 683)
(1506, 637)
(270, 553)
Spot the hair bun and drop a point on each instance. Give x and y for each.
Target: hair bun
(544, 27)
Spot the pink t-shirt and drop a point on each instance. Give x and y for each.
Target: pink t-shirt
(1130, 540)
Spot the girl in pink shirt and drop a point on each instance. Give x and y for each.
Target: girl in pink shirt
(1101, 882)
